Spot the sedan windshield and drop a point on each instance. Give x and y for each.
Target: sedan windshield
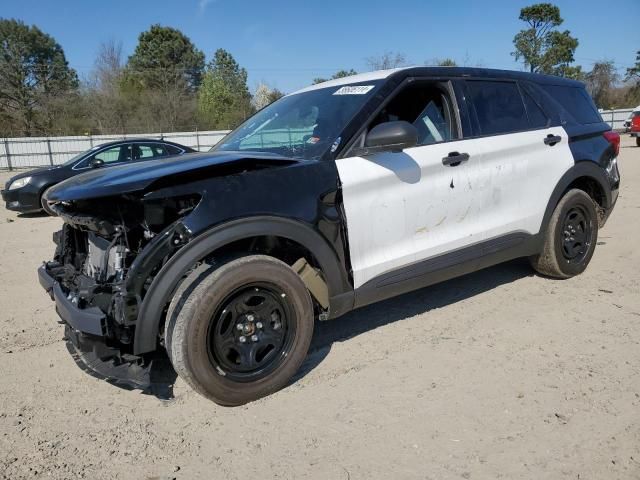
(77, 157)
(304, 125)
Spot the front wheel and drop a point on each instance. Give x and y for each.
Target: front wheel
(637, 141)
(240, 331)
(570, 238)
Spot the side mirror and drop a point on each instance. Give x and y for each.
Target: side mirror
(96, 163)
(391, 136)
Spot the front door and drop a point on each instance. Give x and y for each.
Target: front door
(402, 208)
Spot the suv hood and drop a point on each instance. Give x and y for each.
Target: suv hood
(104, 182)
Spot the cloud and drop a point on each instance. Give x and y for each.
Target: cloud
(203, 4)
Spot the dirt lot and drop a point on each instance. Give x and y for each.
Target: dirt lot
(500, 374)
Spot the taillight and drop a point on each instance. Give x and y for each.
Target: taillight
(614, 139)
(635, 123)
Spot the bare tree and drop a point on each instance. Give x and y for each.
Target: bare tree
(441, 62)
(387, 60)
(108, 65)
(601, 82)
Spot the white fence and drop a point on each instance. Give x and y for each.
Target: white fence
(28, 152)
(616, 118)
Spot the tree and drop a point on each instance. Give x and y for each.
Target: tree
(442, 62)
(275, 95)
(108, 66)
(386, 61)
(224, 99)
(601, 81)
(633, 73)
(541, 47)
(264, 96)
(165, 56)
(111, 110)
(338, 74)
(161, 78)
(33, 71)
(632, 77)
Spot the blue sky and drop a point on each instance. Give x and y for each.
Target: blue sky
(287, 44)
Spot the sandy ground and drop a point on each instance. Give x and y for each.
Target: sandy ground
(500, 374)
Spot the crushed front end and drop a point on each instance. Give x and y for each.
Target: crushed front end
(106, 256)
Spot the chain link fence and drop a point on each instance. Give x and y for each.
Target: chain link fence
(28, 152)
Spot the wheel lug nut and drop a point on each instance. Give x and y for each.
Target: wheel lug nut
(239, 326)
(254, 338)
(250, 318)
(259, 324)
(242, 339)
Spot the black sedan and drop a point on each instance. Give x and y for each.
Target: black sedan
(23, 192)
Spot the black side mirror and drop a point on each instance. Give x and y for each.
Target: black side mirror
(96, 163)
(391, 136)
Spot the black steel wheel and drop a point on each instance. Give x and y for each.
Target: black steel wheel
(251, 333)
(576, 234)
(239, 331)
(570, 237)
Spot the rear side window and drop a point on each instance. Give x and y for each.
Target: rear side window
(499, 107)
(173, 150)
(537, 118)
(576, 101)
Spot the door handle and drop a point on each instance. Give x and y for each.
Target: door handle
(551, 139)
(455, 158)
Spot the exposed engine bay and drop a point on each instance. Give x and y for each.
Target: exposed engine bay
(99, 262)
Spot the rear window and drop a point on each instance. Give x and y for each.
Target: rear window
(498, 106)
(576, 101)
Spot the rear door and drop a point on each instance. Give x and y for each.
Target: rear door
(520, 157)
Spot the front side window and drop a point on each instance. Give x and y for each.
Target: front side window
(498, 106)
(303, 125)
(427, 107)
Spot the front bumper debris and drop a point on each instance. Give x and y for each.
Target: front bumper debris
(84, 320)
(86, 342)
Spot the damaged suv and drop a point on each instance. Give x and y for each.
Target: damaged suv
(333, 197)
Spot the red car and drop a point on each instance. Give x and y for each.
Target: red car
(634, 128)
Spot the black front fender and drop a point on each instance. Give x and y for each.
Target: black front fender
(168, 278)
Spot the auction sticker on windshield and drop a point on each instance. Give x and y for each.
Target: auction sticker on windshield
(354, 90)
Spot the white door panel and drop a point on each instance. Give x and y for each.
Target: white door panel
(402, 208)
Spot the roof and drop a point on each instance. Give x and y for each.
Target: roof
(129, 140)
(361, 77)
(443, 72)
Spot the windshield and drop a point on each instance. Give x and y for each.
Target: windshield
(77, 157)
(304, 125)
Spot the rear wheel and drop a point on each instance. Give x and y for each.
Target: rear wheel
(239, 331)
(637, 141)
(571, 237)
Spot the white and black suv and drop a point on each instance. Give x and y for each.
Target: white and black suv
(331, 198)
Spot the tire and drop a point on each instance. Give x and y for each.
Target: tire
(570, 238)
(256, 297)
(41, 202)
(637, 141)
